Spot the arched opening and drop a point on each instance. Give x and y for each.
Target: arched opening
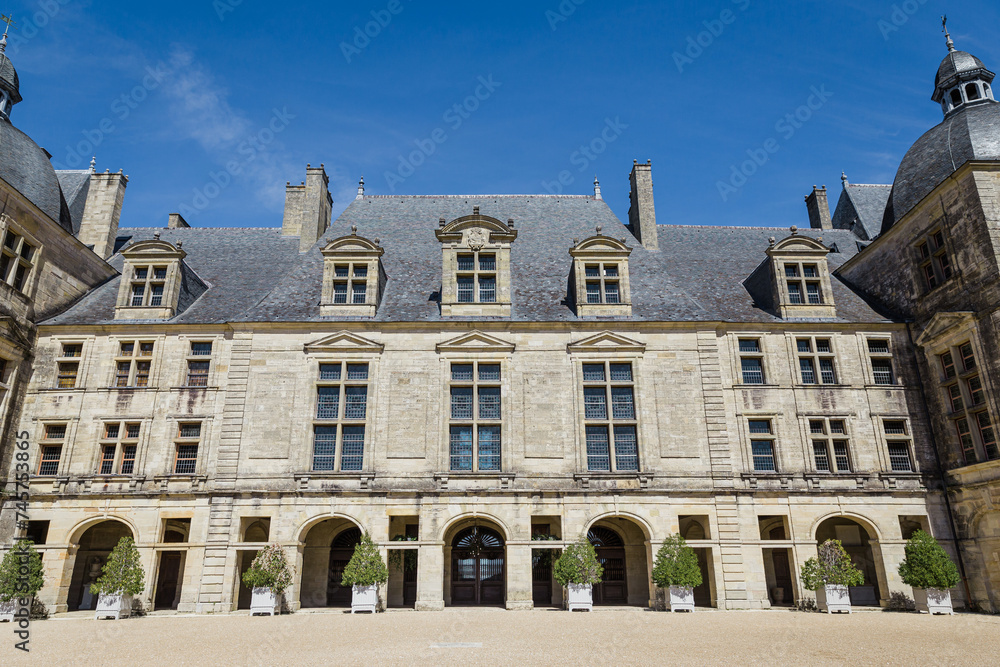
(478, 567)
(696, 528)
(863, 549)
(96, 544)
(972, 92)
(956, 97)
(257, 532)
(329, 546)
(621, 547)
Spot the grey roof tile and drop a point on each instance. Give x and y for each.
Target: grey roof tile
(864, 204)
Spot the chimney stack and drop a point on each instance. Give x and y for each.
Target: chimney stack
(819, 209)
(308, 208)
(177, 221)
(642, 212)
(102, 211)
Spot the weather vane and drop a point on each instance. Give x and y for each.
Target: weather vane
(9, 21)
(944, 29)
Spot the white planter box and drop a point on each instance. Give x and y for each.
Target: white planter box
(834, 599)
(7, 610)
(364, 599)
(680, 598)
(264, 601)
(114, 606)
(933, 600)
(580, 597)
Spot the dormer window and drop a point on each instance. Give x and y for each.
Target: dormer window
(475, 277)
(151, 281)
(17, 258)
(353, 277)
(600, 277)
(801, 284)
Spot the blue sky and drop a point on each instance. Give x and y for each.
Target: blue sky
(174, 93)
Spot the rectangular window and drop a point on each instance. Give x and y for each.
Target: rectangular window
(826, 371)
(882, 370)
(15, 260)
(809, 271)
(753, 371)
(475, 398)
(489, 448)
(822, 458)
(142, 373)
(593, 372)
(352, 448)
(808, 371)
(329, 371)
(461, 448)
(360, 293)
(466, 289)
(976, 393)
(340, 292)
(160, 273)
(812, 291)
(128, 459)
(598, 449)
(328, 402)
(324, 447)
(791, 270)
(948, 365)
(156, 295)
(197, 373)
(968, 445)
(955, 396)
(138, 292)
(49, 464)
(487, 289)
(355, 402)
(621, 372)
(760, 426)
(67, 374)
(840, 452)
(187, 460)
(360, 270)
(489, 403)
(487, 262)
(894, 427)
(988, 435)
(461, 402)
(593, 292)
(611, 293)
(72, 350)
(626, 448)
(130, 371)
(751, 345)
(201, 349)
(489, 372)
(622, 403)
(108, 453)
(466, 262)
(794, 293)
(357, 371)
(595, 404)
(593, 271)
(189, 431)
(763, 455)
(878, 346)
(822, 361)
(968, 358)
(899, 457)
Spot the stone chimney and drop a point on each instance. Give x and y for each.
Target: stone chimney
(819, 209)
(177, 221)
(308, 207)
(101, 212)
(642, 212)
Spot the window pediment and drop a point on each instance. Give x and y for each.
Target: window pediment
(476, 229)
(152, 251)
(942, 324)
(607, 342)
(343, 341)
(476, 342)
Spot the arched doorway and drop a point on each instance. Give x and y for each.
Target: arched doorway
(610, 548)
(477, 567)
(341, 550)
(328, 548)
(96, 544)
(857, 543)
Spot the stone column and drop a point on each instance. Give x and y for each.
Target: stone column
(519, 586)
(430, 578)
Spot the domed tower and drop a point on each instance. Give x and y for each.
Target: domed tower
(970, 131)
(10, 93)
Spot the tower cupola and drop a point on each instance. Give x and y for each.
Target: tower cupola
(962, 79)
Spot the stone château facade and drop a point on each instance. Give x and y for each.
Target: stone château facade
(476, 380)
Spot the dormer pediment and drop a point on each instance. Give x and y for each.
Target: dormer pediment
(943, 324)
(798, 245)
(353, 244)
(153, 250)
(344, 342)
(607, 342)
(476, 342)
(476, 229)
(600, 245)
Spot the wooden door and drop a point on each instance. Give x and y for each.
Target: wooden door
(477, 568)
(168, 581)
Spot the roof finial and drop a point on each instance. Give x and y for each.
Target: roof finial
(944, 29)
(843, 179)
(3, 40)
(599, 228)
(361, 188)
(93, 164)
(597, 189)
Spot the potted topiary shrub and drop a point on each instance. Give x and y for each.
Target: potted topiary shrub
(577, 570)
(831, 575)
(122, 577)
(364, 572)
(930, 571)
(268, 576)
(20, 578)
(676, 571)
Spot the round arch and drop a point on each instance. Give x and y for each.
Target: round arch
(977, 523)
(870, 526)
(303, 531)
(641, 523)
(462, 521)
(76, 532)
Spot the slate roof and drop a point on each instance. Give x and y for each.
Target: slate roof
(26, 168)
(955, 64)
(9, 78)
(75, 187)
(862, 203)
(256, 275)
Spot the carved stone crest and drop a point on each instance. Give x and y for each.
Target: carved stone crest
(478, 238)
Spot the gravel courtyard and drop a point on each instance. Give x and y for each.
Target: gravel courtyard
(496, 637)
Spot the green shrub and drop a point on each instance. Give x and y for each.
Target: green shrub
(578, 564)
(366, 567)
(676, 564)
(13, 584)
(122, 574)
(832, 568)
(927, 565)
(269, 570)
